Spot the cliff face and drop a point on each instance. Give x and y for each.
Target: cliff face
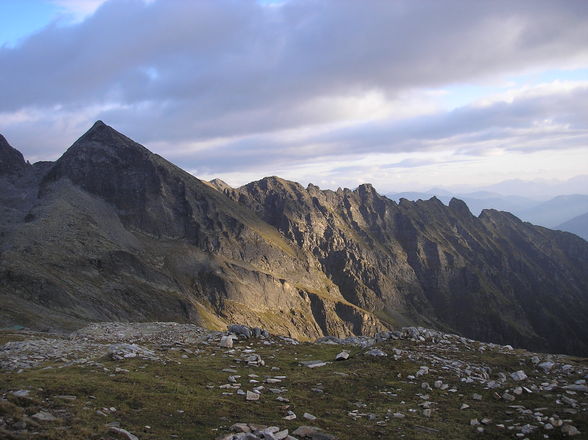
(112, 231)
(493, 278)
(11, 160)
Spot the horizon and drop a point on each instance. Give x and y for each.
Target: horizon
(404, 96)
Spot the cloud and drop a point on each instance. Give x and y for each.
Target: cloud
(548, 117)
(531, 113)
(221, 85)
(215, 58)
(78, 9)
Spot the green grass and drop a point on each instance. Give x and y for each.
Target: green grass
(174, 398)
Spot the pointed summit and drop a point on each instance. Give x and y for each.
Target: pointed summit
(105, 136)
(98, 159)
(11, 160)
(460, 207)
(98, 124)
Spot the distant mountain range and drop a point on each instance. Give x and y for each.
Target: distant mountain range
(539, 189)
(111, 231)
(578, 225)
(554, 213)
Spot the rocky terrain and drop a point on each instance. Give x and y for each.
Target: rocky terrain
(168, 380)
(113, 232)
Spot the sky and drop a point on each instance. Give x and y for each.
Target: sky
(406, 95)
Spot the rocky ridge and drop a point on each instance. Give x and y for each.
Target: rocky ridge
(113, 232)
(435, 265)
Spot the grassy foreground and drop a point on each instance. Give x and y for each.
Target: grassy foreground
(353, 399)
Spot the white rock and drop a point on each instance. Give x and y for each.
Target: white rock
(290, 416)
(251, 396)
(376, 352)
(308, 416)
(123, 433)
(313, 364)
(342, 356)
(518, 375)
(44, 416)
(226, 342)
(281, 435)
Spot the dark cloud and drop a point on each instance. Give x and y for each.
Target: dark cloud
(172, 71)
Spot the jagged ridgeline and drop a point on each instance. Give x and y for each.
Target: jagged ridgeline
(111, 231)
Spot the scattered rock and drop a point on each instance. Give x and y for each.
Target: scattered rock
(240, 330)
(312, 433)
(290, 416)
(375, 352)
(308, 416)
(576, 387)
(122, 433)
(518, 375)
(44, 416)
(251, 396)
(240, 427)
(125, 351)
(21, 393)
(570, 430)
(313, 364)
(226, 342)
(342, 356)
(508, 397)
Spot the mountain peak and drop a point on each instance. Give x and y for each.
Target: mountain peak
(460, 207)
(106, 135)
(220, 185)
(98, 124)
(100, 158)
(11, 160)
(366, 190)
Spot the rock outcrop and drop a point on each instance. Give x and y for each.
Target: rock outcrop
(11, 160)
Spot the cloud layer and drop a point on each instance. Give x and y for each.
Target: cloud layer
(222, 85)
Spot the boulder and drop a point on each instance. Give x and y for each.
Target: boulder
(240, 330)
(226, 342)
(518, 375)
(343, 356)
(122, 433)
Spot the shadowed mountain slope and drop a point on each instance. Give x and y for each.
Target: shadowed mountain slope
(116, 232)
(112, 231)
